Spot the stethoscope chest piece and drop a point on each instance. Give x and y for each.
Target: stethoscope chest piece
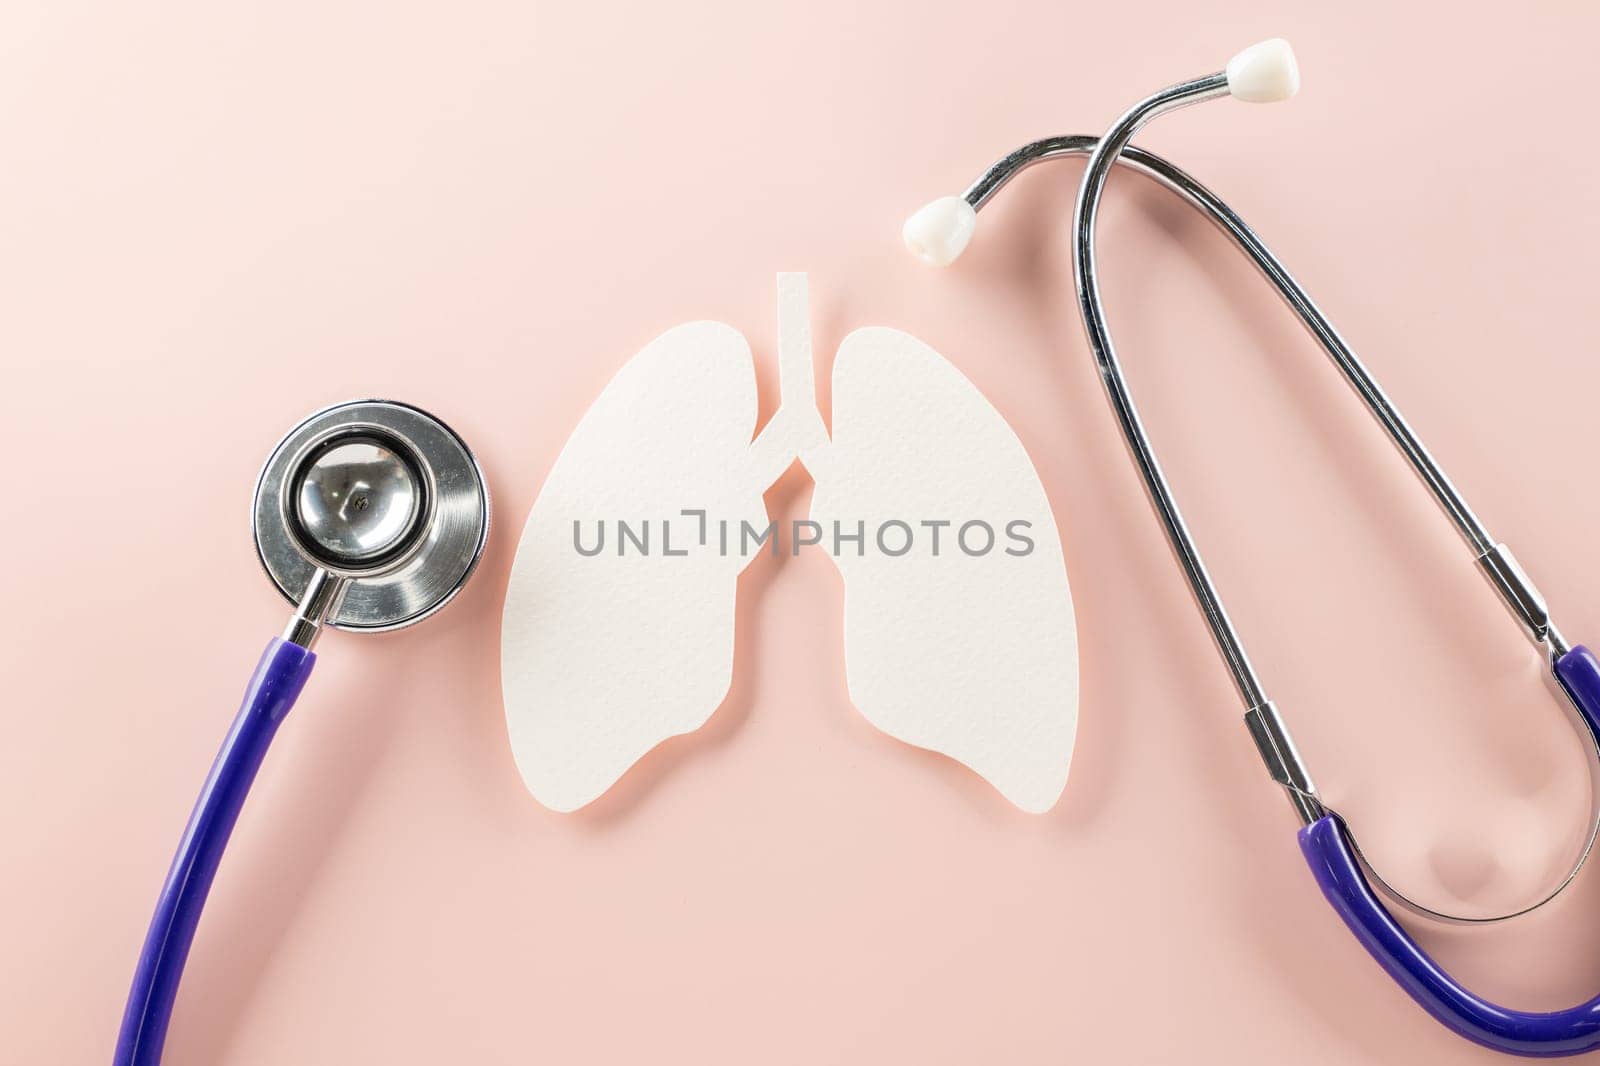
(381, 495)
(369, 515)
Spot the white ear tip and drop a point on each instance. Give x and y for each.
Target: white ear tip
(1264, 73)
(939, 232)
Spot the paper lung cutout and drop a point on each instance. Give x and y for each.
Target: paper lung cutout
(959, 633)
(604, 657)
(971, 655)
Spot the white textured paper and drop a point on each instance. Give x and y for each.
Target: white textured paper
(969, 653)
(603, 658)
(973, 655)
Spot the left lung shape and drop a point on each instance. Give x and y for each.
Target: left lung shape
(968, 646)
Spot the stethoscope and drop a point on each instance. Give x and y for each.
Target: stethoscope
(369, 516)
(1264, 73)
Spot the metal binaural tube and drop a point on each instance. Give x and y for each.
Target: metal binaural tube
(1264, 73)
(1518, 592)
(1085, 212)
(1495, 560)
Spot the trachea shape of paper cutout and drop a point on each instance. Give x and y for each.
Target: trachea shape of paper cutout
(619, 619)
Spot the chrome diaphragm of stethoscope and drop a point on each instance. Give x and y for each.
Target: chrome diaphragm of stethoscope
(370, 516)
(1264, 73)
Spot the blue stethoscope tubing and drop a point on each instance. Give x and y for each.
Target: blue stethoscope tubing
(272, 691)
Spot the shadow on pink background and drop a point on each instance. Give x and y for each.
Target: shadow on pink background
(213, 221)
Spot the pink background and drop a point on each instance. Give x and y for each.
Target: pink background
(214, 218)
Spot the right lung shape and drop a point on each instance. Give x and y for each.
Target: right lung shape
(604, 657)
(966, 647)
